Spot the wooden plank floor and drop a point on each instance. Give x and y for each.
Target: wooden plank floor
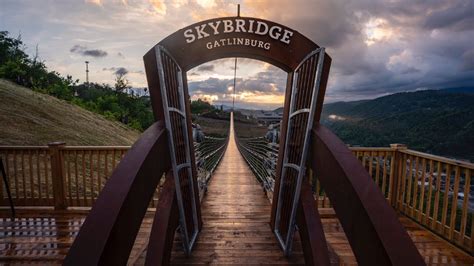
(236, 215)
(432, 248)
(44, 237)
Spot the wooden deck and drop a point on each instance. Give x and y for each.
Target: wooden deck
(43, 237)
(432, 248)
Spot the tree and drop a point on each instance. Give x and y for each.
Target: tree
(121, 83)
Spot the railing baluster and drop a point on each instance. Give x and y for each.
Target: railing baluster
(384, 175)
(409, 184)
(8, 171)
(402, 184)
(91, 177)
(394, 181)
(114, 158)
(430, 195)
(76, 177)
(454, 203)
(438, 191)
(67, 160)
(422, 187)
(22, 165)
(99, 177)
(32, 180)
(446, 198)
(15, 177)
(38, 174)
(84, 183)
(415, 186)
(465, 210)
(106, 176)
(371, 163)
(46, 167)
(4, 158)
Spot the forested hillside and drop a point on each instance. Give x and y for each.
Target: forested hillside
(434, 121)
(113, 102)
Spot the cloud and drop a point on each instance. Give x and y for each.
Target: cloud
(84, 51)
(95, 2)
(117, 70)
(459, 16)
(468, 60)
(122, 71)
(158, 6)
(206, 68)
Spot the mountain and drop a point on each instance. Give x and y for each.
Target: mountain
(31, 118)
(459, 90)
(435, 121)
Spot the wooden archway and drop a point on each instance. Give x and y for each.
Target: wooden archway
(307, 66)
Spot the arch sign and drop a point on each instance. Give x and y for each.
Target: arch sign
(307, 66)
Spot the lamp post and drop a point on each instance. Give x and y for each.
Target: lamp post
(87, 73)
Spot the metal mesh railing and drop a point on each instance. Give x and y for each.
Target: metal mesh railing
(209, 152)
(261, 156)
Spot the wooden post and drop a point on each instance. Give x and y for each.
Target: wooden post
(395, 173)
(57, 174)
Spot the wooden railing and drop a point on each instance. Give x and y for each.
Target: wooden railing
(29, 171)
(437, 193)
(58, 175)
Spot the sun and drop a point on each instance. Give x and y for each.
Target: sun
(377, 30)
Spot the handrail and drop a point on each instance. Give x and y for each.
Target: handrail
(369, 222)
(108, 233)
(439, 158)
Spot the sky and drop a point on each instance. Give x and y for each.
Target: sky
(378, 47)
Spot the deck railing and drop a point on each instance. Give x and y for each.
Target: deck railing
(435, 191)
(73, 176)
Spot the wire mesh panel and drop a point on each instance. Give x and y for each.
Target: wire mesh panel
(304, 93)
(172, 91)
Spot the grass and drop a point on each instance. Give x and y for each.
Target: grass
(250, 130)
(31, 118)
(213, 127)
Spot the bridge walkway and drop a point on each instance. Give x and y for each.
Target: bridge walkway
(236, 215)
